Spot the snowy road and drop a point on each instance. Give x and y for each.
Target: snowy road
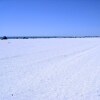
(50, 69)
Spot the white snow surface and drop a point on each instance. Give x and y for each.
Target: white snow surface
(50, 69)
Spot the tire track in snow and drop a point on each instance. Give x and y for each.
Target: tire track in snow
(58, 66)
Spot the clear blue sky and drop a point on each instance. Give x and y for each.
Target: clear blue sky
(49, 17)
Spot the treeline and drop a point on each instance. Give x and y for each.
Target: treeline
(36, 37)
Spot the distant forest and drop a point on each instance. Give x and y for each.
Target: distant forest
(35, 37)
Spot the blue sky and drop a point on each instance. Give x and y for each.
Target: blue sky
(49, 17)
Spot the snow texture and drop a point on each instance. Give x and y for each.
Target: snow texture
(50, 69)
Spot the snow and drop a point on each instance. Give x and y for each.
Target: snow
(50, 69)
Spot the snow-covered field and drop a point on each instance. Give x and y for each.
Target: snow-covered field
(50, 69)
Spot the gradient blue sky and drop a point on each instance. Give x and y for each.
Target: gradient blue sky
(49, 17)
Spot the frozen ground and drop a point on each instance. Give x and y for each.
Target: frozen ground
(50, 69)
